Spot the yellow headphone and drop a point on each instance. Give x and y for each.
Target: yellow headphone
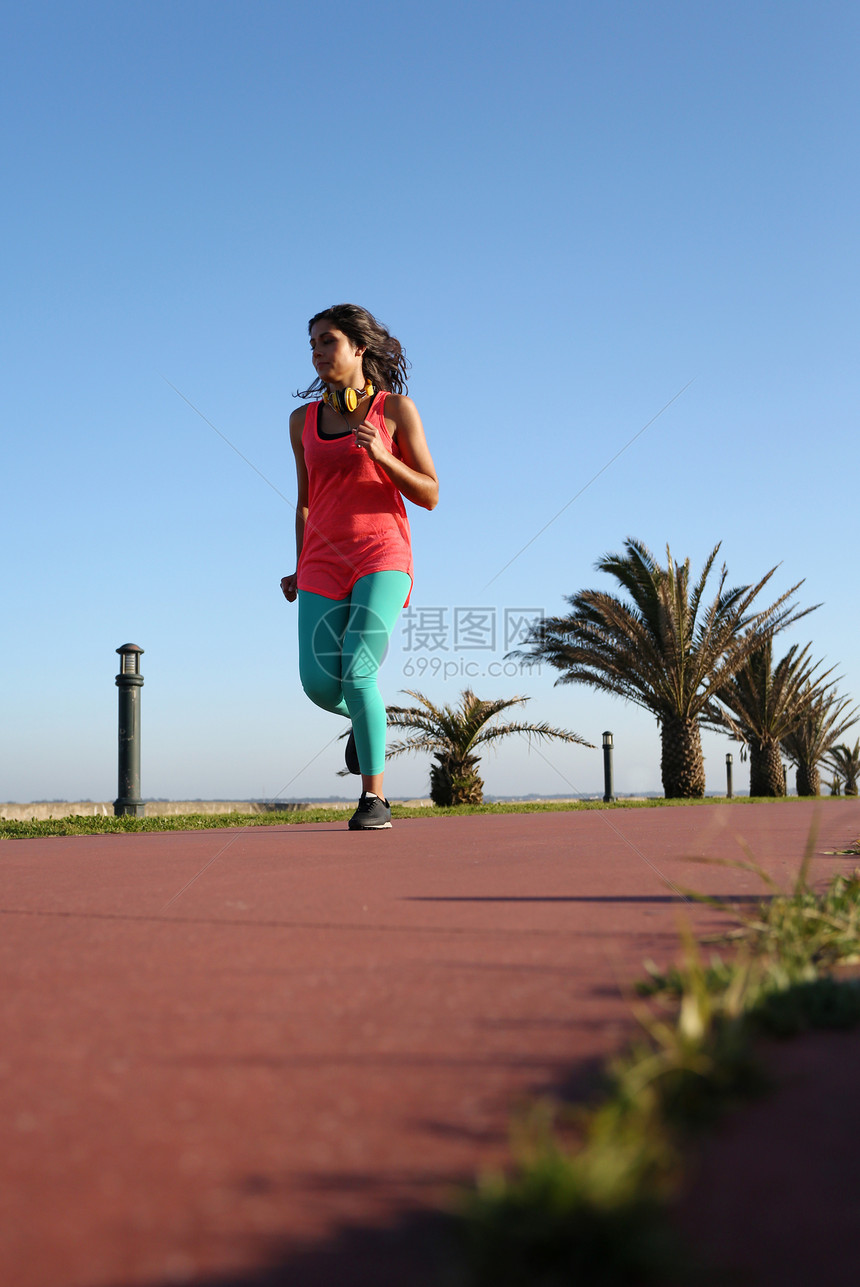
(346, 400)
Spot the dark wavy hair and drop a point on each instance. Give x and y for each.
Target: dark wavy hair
(383, 361)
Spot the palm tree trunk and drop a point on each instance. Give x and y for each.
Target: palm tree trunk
(455, 781)
(808, 779)
(767, 776)
(682, 762)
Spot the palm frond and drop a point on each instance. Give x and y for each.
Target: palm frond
(826, 719)
(539, 731)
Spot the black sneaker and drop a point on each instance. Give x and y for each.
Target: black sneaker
(350, 755)
(373, 814)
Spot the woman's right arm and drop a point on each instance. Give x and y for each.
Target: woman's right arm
(297, 421)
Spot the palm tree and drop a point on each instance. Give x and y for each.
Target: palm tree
(845, 761)
(761, 704)
(453, 734)
(663, 650)
(817, 733)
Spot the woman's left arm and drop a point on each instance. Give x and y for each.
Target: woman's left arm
(415, 474)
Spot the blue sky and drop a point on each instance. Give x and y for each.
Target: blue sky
(567, 212)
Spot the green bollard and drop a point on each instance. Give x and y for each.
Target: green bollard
(129, 681)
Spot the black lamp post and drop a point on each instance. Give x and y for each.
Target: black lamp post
(608, 794)
(728, 775)
(129, 681)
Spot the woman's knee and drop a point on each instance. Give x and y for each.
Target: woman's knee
(359, 686)
(322, 689)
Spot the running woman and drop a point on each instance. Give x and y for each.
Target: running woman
(359, 449)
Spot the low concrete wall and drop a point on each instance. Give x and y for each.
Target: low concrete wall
(40, 809)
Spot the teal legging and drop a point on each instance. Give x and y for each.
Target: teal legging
(341, 646)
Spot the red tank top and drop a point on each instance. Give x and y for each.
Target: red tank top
(357, 521)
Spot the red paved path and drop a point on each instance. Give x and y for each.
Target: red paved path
(324, 1030)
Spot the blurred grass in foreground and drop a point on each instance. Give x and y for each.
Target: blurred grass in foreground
(588, 1196)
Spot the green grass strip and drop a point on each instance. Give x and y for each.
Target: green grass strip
(97, 825)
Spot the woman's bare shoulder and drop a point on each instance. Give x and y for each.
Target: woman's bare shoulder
(401, 411)
(399, 402)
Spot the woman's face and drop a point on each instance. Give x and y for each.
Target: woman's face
(336, 359)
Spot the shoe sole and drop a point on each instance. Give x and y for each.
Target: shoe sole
(379, 826)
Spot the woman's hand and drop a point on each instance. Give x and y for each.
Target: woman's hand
(367, 437)
(289, 587)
